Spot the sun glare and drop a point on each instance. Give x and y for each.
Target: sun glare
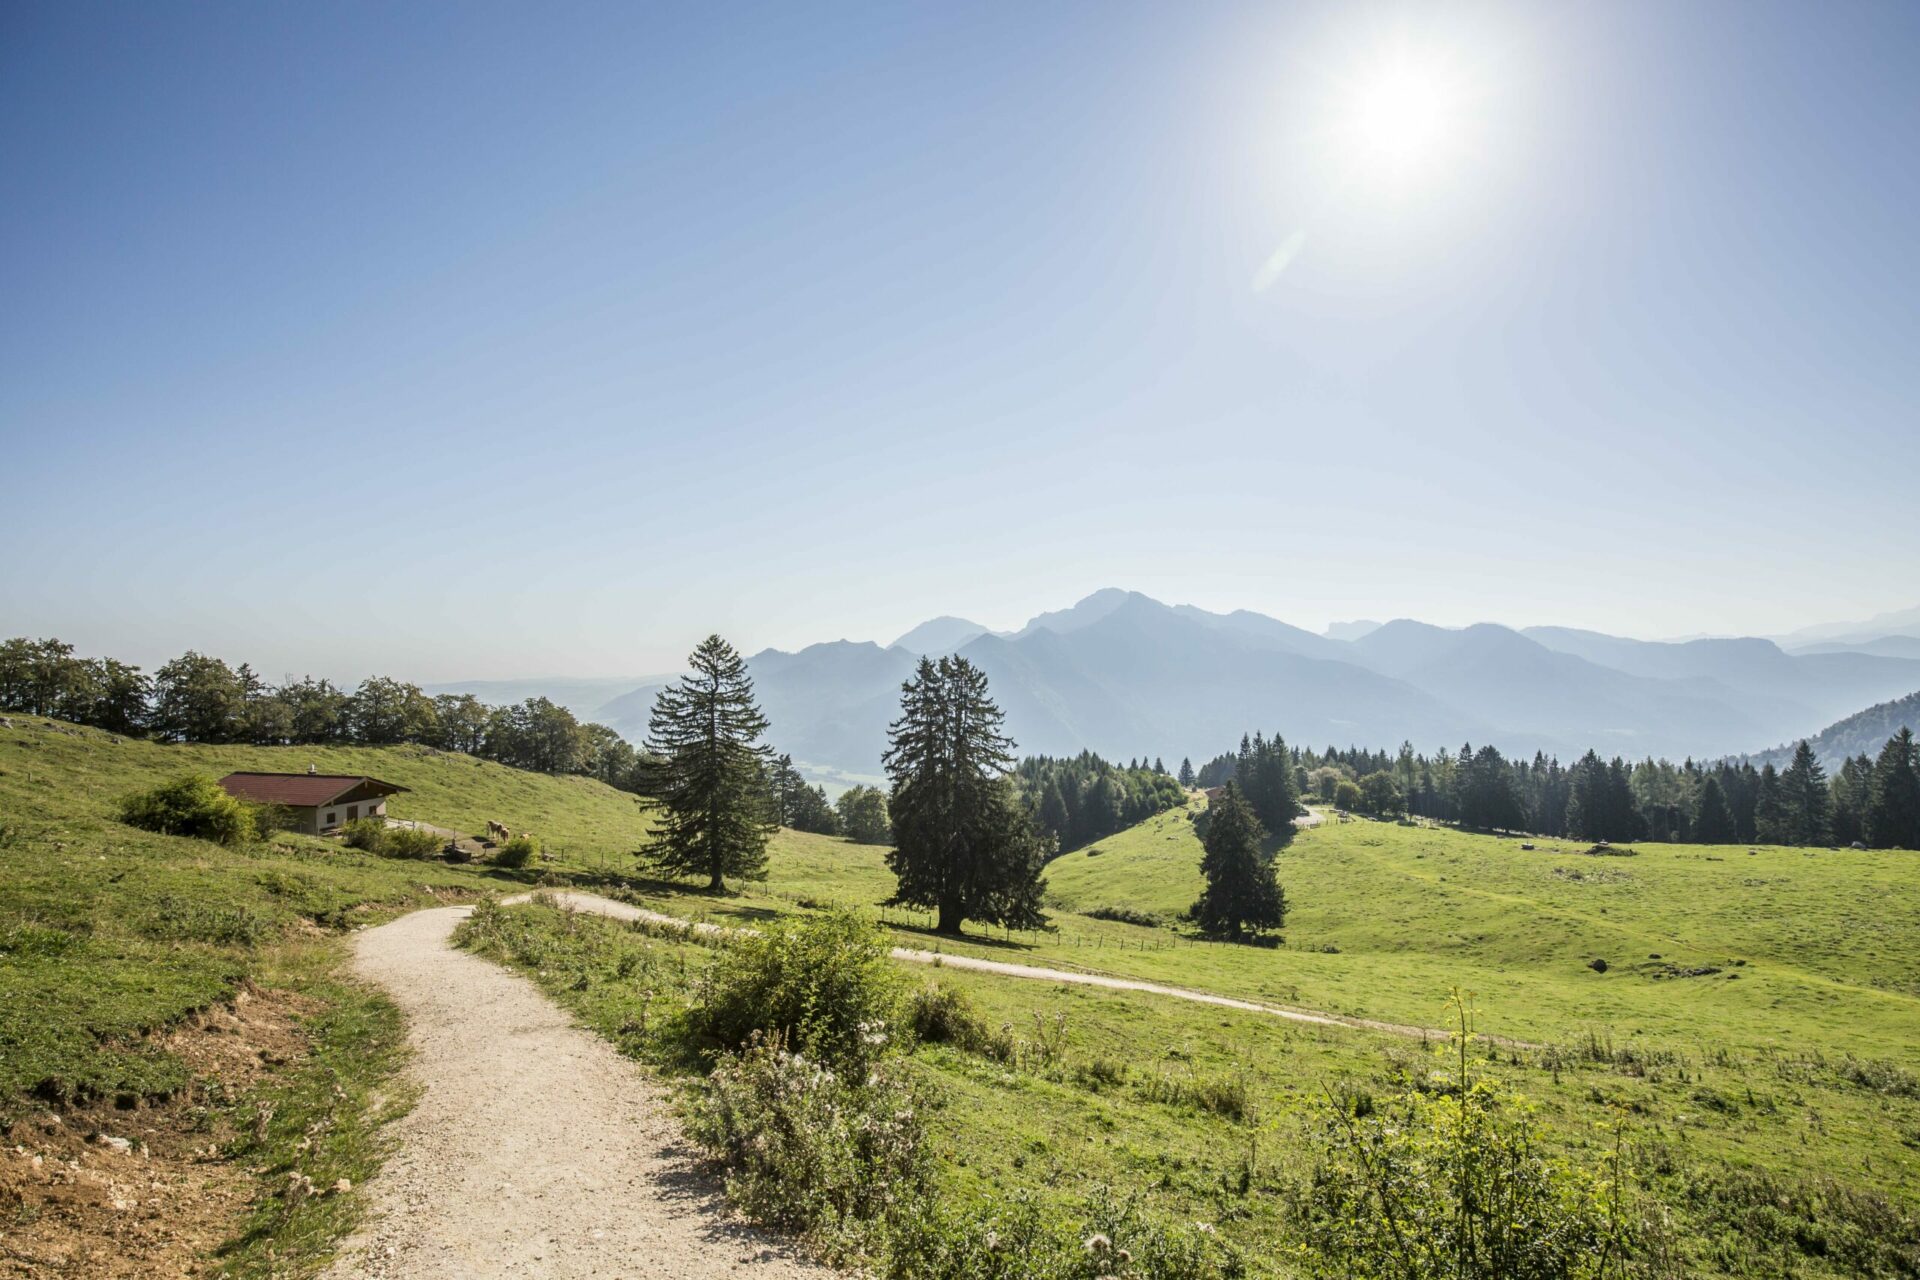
(1401, 115)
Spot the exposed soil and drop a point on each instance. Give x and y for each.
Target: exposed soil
(108, 1192)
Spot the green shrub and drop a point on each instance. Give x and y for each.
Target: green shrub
(823, 985)
(940, 1014)
(517, 852)
(410, 842)
(196, 806)
(373, 835)
(366, 834)
(810, 1150)
(1455, 1184)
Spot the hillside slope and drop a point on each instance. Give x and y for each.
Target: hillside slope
(1862, 733)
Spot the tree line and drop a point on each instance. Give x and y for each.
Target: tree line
(1873, 801)
(198, 698)
(1080, 799)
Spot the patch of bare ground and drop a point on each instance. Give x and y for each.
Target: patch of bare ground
(113, 1192)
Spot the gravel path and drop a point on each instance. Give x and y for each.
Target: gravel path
(624, 911)
(535, 1149)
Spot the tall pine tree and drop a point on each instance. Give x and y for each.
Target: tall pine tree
(963, 844)
(1770, 808)
(1242, 891)
(710, 772)
(1893, 812)
(1712, 821)
(1186, 772)
(1809, 805)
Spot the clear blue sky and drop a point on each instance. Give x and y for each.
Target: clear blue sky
(462, 340)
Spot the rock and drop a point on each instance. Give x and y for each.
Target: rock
(1597, 965)
(117, 1144)
(343, 1186)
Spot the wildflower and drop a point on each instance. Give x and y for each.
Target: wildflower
(1098, 1244)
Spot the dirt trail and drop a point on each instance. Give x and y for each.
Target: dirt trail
(535, 1149)
(624, 911)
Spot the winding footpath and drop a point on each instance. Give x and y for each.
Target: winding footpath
(597, 905)
(535, 1149)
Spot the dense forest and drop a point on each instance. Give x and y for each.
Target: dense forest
(1872, 800)
(1079, 799)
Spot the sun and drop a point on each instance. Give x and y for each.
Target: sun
(1400, 115)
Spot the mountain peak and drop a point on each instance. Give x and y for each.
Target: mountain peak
(1085, 612)
(944, 634)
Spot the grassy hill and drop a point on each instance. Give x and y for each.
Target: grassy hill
(123, 954)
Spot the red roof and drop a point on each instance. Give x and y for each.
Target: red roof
(302, 790)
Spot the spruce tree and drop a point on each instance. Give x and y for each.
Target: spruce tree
(709, 775)
(1852, 792)
(1712, 820)
(1808, 802)
(964, 845)
(1770, 808)
(1893, 813)
(1241, 890)
(1186, 772)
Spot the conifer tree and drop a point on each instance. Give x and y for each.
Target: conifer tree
(709, 775)
(1186, 771)
(1809, 805)
(1852, 793)
(1770, 808)
(1242, 891)
(964, 845)
(1893, 813)
(1712, 821)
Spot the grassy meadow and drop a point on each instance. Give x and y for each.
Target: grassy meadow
(1772, 1105)
(1755, 1030)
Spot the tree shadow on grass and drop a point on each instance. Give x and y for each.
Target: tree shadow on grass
(971, 939)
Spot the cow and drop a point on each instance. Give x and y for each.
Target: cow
(497, 832)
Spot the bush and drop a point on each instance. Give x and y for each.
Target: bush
(517, 852)
(811, 1150)
(196, 806)
(365, 834)
(410, 842)
(940, 1014)
(1454, 1184)
(823, 985)
(373, 835)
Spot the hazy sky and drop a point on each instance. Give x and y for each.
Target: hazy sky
(464, 340)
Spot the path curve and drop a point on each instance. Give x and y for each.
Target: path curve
(535, 1149)
(597, 905)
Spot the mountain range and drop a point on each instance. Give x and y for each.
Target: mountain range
(1124, 674)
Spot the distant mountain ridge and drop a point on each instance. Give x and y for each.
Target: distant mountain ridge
(1123, 674)
(1862, 733)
